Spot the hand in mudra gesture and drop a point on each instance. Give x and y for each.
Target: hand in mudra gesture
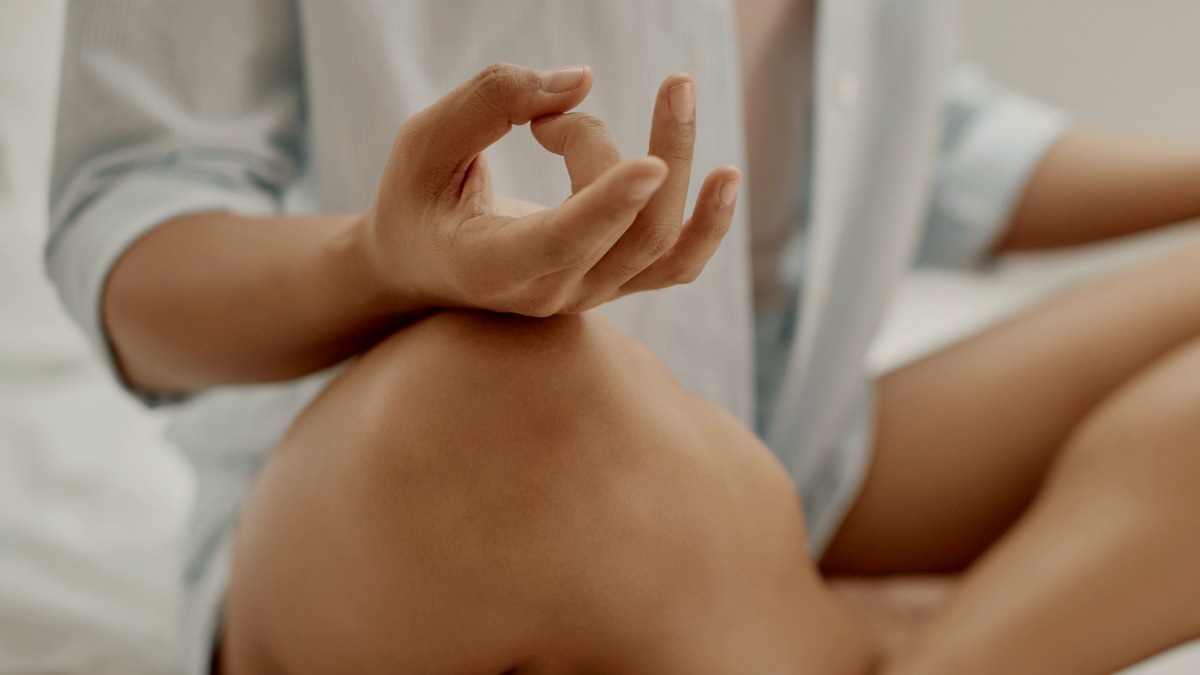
(436, 233)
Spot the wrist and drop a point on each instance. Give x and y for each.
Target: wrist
(382, 286)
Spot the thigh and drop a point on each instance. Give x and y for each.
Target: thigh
(965, 437)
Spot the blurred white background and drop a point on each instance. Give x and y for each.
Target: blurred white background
(92, 501)
(1122, 63)
(1116, 64)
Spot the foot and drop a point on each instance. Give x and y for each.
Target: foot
(894, 608)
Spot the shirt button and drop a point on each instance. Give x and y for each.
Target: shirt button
(847, 88)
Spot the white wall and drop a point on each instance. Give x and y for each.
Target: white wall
(1125, 63)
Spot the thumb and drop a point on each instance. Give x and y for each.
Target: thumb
(446, 136)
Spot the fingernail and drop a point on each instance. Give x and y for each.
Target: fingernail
(729, 190)
(561, 80)
(681, 99)
(643, 188)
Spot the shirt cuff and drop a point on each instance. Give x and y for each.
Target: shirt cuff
(104, 225)
(981, 178)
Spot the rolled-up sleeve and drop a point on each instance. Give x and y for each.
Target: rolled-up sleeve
(165, 109)
(993, 140)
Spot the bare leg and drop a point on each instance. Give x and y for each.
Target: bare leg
(1104, 569)
(1067, 405)
(484, 494)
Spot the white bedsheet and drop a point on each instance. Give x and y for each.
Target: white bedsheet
(92, 500)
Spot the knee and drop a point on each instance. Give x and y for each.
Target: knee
(475, 383)
(599, 489)
(558, 432)
(568, 397)
(546, 486)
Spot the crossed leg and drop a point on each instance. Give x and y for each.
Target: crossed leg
(493, 495)
(1057, 458)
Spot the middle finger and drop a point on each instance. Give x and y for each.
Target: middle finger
(657, 227)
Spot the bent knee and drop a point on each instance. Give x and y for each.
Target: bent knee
(544, 474)
(467, 350)
(475, 383)
(568, 399)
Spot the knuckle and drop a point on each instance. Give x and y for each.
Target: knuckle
(588, 125)
(630, 269)
(496, 75)
(495, 84)
(659, 240)
(678, 150)
(717, 234)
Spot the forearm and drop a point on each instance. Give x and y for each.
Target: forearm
(215, 298)
(1092, 187)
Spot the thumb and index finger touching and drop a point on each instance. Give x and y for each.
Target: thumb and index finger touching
(449, 136)
(451, 132)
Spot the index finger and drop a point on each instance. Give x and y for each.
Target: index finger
(573, 232)
(583, 140)
(479, 112)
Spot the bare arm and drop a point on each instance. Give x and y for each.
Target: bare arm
(216, 298)
(1092, 187)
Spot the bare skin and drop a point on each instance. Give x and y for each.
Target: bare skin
(220, 298)
(1030, 604)
(469, 517)
(1056, 459)
(1094, 185)
(486, 494)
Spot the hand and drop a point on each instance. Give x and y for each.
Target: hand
(659, 249)
(434, 237)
